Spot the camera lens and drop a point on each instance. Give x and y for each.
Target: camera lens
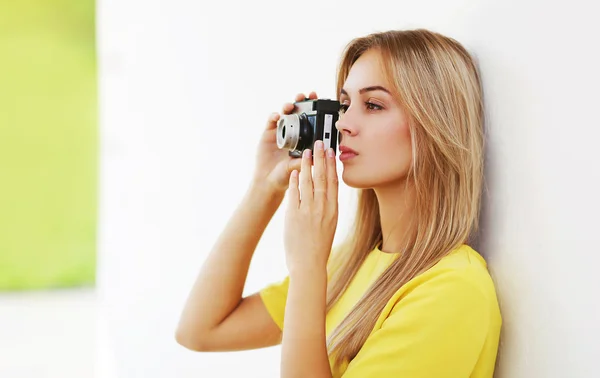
(288, 131)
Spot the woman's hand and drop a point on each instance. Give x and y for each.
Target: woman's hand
(274, 165)
(312, 214)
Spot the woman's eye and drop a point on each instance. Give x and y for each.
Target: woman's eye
(369, 105)
(372, 106)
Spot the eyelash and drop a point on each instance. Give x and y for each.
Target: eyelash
(344, 107)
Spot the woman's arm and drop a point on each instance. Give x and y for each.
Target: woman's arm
(304, 350)
(217, 292)
(311, 220)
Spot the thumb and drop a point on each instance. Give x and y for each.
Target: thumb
(293, 163)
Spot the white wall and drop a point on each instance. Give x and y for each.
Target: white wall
(186, 87)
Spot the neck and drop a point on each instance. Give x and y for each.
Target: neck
(395, 211)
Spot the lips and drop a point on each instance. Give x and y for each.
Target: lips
(347, 153)
(344, 149)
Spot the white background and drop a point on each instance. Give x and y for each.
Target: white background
(186, 88)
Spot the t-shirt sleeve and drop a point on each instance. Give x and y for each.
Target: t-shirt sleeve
(437, 330)
(274, 297)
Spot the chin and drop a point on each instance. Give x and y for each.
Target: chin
(363, 180)
(356, 181)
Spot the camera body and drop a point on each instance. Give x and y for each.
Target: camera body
(311, 120)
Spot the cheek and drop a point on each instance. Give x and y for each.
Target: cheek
(397, 149)
(387, 158)
(396, 142)
(399, 153)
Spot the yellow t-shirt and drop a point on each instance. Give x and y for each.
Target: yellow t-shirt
(443, 323)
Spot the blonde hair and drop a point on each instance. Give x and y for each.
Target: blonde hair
(437, 82)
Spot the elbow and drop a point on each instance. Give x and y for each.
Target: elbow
(190, 340)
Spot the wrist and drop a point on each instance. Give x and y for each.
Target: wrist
(264, 194)
(264, 187)
(308, 270)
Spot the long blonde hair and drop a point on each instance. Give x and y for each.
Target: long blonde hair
(437, 82)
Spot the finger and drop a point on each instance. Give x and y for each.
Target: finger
(293, 163)
(300, 97)
(319, 175)
(272, 121)
(306, 186)
(313, 95)
(293, 193)
(288, 108)
(332, 178)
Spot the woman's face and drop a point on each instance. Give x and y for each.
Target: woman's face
(373, 125)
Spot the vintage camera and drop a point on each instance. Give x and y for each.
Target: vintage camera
(311, 120)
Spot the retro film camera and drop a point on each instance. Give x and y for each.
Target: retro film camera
(311, 120)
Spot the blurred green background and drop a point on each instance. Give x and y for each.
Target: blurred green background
(48, 144)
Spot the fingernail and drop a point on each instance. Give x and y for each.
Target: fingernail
(307, 153)
(319, 145)
(330, 152)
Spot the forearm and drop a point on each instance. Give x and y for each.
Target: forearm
(304, 350)
(219, 286)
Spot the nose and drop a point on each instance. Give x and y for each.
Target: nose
(345, 126)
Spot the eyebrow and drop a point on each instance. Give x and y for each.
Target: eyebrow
(368, 89)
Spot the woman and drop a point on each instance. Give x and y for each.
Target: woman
(404, 295)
